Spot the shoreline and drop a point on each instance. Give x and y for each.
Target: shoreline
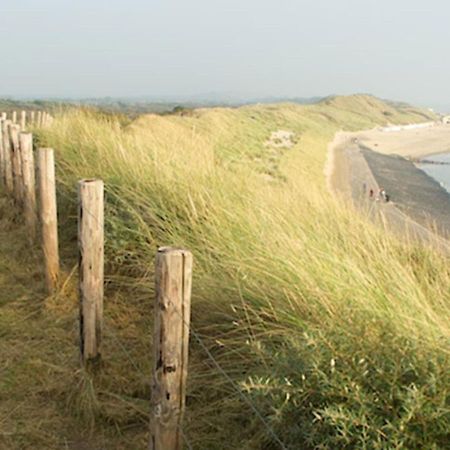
(413, 143)
(413, 191)
(370, 136)
(419, 204)
(418, 158)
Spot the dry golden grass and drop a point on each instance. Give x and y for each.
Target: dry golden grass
(335, 330)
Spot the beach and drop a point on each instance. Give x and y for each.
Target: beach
(413, 143)
(377, 159)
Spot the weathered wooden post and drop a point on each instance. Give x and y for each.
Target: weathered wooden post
(14, 117)
(32, 113)
(23, 120)
(2, 154)
(8, 175)
(2, 158)
(171, 344)
(4, 116)
(48, 216)
(29, 187)
(2, 150)
(90, 267)
(16, 161)
(39, 119)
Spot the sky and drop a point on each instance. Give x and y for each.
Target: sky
(396, 49)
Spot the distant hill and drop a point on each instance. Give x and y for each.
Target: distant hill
(133, 106)
(7, 105)
(380, 109)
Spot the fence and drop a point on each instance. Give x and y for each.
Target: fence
(33, 191)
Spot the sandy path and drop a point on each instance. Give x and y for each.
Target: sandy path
(337, 170)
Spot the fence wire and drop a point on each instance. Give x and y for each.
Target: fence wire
(203, 346)
(235, 386)
(143, 375)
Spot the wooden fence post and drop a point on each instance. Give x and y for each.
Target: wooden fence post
(32, 113)
(2, 154)
(39, 119)
(7, 157)
(4, 116)
(14, 117)
(90, 266)
(16, 161)
(171, 344)
(23, 120)
(29, 187)
(48, 216)
(2, 158)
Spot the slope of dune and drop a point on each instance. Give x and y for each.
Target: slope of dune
(331, 328)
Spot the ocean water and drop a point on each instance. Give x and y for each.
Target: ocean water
(440, 172)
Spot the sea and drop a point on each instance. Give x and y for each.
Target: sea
(440, 170)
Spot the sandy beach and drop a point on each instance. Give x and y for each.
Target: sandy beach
(409, 143)
(378, 159)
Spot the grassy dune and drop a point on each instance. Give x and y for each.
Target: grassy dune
(335, 331)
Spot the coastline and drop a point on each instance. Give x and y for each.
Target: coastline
(411, 143)
(412, 190)
(419, 204)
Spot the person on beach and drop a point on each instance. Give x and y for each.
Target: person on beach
(383, 195)
(371, 193)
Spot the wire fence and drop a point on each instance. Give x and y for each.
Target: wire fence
(239, 391)
(135, 365)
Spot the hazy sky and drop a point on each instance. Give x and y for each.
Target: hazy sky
(392, 48)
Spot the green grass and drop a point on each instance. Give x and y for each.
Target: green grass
(334, 329)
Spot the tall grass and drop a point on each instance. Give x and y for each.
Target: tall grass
(333, 328)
